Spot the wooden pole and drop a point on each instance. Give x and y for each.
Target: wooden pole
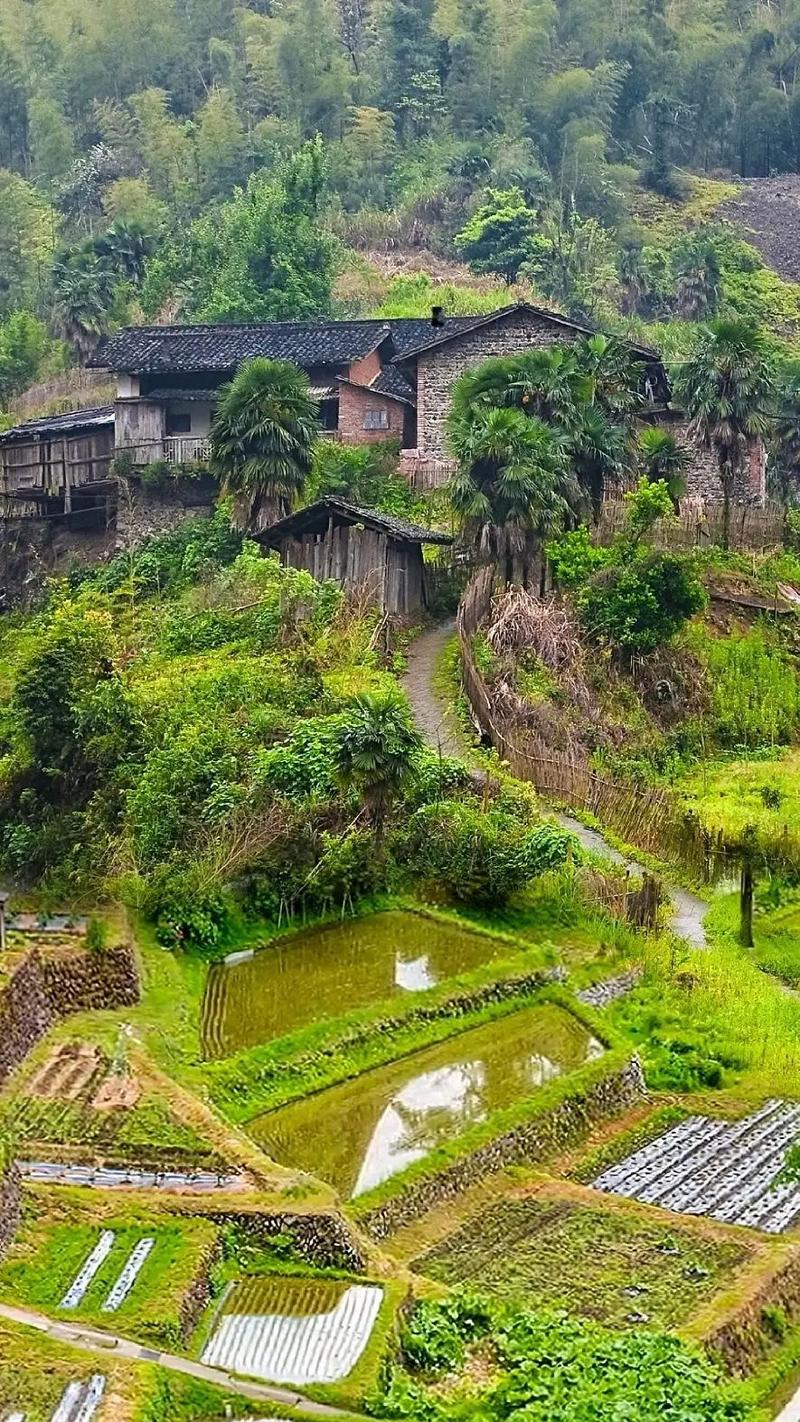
(746, 902)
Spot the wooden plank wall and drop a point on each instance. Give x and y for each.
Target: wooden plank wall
(361, 558)
(50, 464)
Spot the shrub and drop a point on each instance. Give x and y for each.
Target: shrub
(639, 605)
(190, 908)
(574, 558)
(96, 935)
(482, 858)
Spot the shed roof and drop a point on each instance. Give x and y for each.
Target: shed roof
(154, 350)
(315, 518)
(54, 426)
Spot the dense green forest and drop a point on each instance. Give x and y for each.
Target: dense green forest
(215, 161)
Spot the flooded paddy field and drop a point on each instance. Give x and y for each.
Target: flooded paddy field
(364, 1131)
(325, 972)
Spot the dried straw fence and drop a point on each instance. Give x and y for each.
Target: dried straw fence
(650, 819)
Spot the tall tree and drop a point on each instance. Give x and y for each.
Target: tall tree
(262, 440)
(512, 486)
(410, 56)
(727, 387)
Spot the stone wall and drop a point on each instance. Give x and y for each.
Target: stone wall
(533, 1140)
(43, 990)
(702, 474)
(10, 1206)
(743, 1342)
(439, 369)
(322, 1239)
(145, 510)
(199, 1294)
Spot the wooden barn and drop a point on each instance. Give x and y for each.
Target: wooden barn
(357, 548)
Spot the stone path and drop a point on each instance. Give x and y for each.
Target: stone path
(92, 1340)
(436, 720)
(437, 723)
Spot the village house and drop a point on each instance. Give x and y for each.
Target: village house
(372, 379)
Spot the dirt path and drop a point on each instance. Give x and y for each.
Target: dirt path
(92, 1340)
(438, 725)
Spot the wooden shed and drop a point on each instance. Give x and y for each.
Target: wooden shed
(357, 548)
(51, 457)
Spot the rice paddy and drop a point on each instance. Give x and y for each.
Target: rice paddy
(359, 1134)
(327, 972)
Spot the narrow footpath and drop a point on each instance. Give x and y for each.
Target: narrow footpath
(439, 728)
(92, 1340)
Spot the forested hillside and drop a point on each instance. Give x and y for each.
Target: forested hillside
(216, 161)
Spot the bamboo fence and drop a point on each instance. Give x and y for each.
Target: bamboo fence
(650, 819)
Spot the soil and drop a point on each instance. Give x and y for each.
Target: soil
(768, 212)
(66, 1073)
(117, 1093)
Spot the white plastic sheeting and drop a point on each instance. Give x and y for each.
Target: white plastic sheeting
(298, 1348)
(94, 1263)
(128, 1275)
(80, 1400)
(725, 1170)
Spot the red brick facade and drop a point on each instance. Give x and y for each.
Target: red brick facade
(360, 413)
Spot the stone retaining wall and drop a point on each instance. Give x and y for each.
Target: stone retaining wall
(146, 510)
(10, 1205)
(43, 990)
(533, 1140)
(745, 1341)
(198, 1295)
(322, 1239)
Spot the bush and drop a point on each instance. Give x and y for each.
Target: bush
(574, 558)
(190, 908)
(482, 858)
(639, 605)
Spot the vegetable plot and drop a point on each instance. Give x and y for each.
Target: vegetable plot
(725, 1170)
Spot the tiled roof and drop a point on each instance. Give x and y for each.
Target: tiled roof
(391, 382)
(431, 338)
(154, 350)
(206, 396)
(319, 512)
(53, 426)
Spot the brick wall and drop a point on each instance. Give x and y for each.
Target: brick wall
(438, 371)
(364, 371)
(353, 405)
(702, 474)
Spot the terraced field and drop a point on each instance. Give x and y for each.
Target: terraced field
(725, 1170)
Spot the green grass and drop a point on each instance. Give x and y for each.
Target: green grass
(609, 1263)
(58, 1234)
(593, 1162)
(729, 795)
(776, 932)
(147, 1131)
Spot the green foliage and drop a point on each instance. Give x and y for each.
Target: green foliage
(573, 558)
(262, 439)
(639, 604)
(482, 858)
(375, 751)
(364, 474)
(498, 236)
(755, 692)
(554, 1367)
(646, 504)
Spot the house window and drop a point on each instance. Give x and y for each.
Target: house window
(376, 418)
(178, 424)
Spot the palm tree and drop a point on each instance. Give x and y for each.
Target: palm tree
(662, 458)
(375, 752)
(83, 297)
(726, 387)
(263, 438)
(513, 485)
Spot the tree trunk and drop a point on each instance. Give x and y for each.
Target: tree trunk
(727, 481)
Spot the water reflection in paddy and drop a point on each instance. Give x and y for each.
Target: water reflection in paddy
(360, 1133)
(328, 971)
